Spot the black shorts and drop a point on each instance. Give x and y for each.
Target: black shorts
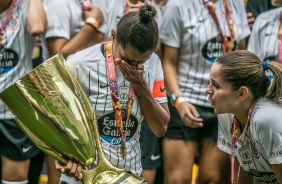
(150, 148)
(177, 129)
(14, 144)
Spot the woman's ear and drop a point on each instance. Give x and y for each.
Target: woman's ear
(243, 92)
(114, 34)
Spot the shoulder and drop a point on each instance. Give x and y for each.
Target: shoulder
(267, 114)
(268, 15)
(153, 61)
(177, 5)
(87, 56)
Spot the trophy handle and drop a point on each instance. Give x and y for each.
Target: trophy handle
(39, 143)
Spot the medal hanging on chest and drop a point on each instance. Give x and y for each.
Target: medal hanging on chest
(227, 45)
(279, 42)
(4, 23)
(115, 96)
(235, 132)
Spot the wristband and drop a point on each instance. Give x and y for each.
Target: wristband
(178, 101)
(92, 21)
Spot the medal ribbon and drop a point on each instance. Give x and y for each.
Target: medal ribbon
(127, 7)
(235, 131)
(112, 78)
(85, 4)
(4, 22)
(279, 44)
(226, 46)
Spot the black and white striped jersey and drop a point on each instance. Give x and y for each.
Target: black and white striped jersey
(188, 26)
(15, 57)
(264, 37)
(89, 67)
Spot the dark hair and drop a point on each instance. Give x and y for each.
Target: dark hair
(244, 68)
(139, 29)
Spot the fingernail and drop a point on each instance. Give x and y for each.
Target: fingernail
(201, 126)
(198, 115)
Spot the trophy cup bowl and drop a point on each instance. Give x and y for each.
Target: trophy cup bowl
(53, 110)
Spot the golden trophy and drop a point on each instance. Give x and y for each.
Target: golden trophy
(53, 110)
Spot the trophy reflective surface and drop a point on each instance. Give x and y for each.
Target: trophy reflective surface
(53, 110)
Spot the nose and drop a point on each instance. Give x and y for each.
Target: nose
(209, 89)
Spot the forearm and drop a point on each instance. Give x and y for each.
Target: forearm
(36, 18)
(86, 37)
(156, 115)
(171, 79)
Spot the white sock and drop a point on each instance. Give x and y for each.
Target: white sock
(14, 182)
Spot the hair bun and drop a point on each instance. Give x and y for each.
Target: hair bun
(147, 13)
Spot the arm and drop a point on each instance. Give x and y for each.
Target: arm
(277, 169)
(86, 37)
(186, 111)
(36, 18)
(156, 115)
(242, 45)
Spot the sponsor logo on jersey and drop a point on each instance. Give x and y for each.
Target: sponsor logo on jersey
(104, 86)
(108, 128)
(155, 157)
(276, 152)
(8, 60)
(264, 177)
(159, 89)
(224, 142)
(213, 49)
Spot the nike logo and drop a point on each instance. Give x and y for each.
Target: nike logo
(269, 34)
(162, 89)
(26, 149)
(153, 157)
(104, 86)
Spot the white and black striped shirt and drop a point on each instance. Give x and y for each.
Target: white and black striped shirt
(261, 145)
(15, 58)
(188, 25)
(264, 36)
(89, 67)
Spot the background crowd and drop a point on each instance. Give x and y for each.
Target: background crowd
(188, 39)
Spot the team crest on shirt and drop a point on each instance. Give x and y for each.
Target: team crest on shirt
(276, 152)
(254, 151)
(8, 60)
(14, 23)
(245, 155)
(213, 49)
(108, 128)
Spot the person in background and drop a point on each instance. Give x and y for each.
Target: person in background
(254, 8)
(69, 30)
(113, 11)
(138, 73)
(20, 22)
(266, 38)
(151, 152)
(194, 34)
(250, 118)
